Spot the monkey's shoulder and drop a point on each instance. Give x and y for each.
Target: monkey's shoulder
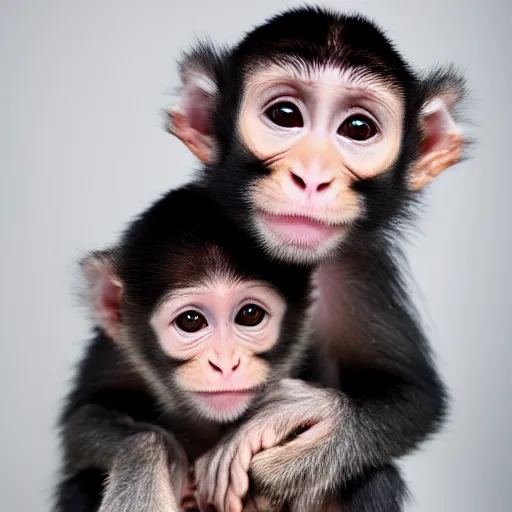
(105, 377)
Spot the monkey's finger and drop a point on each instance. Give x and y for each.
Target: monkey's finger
(269, 438)
(204, 493)
(199, 469)
(239, 483)
(222, 483)
(202, 504)
(241, 461)
(254, 441)
(233, 503)
(214, 478)
(244, 456)
(239, 479)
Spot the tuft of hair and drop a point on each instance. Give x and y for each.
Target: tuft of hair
(204, 56)
(450, 79)
(199, 68)
(313, 36)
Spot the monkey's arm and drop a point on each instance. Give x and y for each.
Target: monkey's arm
(222, 474)
(108, 429)
(145, 466)
(329, 455)
(390, 397)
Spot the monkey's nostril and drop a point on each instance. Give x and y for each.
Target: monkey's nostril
(311, 185)
(298, 181)
(226, 370)
(323, 186)
(215, 367)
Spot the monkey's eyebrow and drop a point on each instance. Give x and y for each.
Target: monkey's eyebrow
(185, 292)
(355, 78)
(267, 288)
(182, 293)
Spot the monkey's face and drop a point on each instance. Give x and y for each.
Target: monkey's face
(202, 314)
(318, 134)
(316, 131)
(216, 332)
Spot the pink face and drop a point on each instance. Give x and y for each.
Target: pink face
(318, 134)
(318, 131)
(218, 330)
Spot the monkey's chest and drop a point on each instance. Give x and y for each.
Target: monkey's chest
(333, 320)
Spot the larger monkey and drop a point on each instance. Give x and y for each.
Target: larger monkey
(316, 137)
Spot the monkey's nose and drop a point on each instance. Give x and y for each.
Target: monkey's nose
(310, 185)
(227, 368)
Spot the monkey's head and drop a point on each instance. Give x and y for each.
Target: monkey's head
(315, 130)
(201, 313)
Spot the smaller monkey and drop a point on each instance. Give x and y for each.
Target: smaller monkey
(193, 325)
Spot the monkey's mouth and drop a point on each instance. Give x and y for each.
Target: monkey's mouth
(225, 401)
(300, 231)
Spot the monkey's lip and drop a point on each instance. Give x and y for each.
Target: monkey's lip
(226, 400)
(300, 230)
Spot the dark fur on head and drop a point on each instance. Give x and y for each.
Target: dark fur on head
(175, 242)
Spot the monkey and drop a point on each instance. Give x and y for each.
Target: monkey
(193, 326)
(317, 138)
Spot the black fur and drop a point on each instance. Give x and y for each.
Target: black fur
(81, 492)
(382, 490)
(112, 402)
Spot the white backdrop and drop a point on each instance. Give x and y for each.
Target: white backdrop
(82, 151)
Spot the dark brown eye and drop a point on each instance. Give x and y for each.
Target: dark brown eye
(250, 315)
(285, 114)
(358, 127)
(191, 321)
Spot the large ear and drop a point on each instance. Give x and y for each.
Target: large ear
(442, 139)
(190, 118)
(104, 290)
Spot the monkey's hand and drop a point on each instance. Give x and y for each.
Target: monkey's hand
(283, 450)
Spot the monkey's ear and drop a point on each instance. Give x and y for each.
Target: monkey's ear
(104, 290)
(190, 118)
(442, 141)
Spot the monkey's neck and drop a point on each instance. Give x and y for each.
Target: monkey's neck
(195, 435)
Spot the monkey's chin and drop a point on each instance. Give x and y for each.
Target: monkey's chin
(298, 239)
(224, 406)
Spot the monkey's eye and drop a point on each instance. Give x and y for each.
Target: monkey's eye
(285, 114)
(358, 127)
(250, 315)
(191, 321)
